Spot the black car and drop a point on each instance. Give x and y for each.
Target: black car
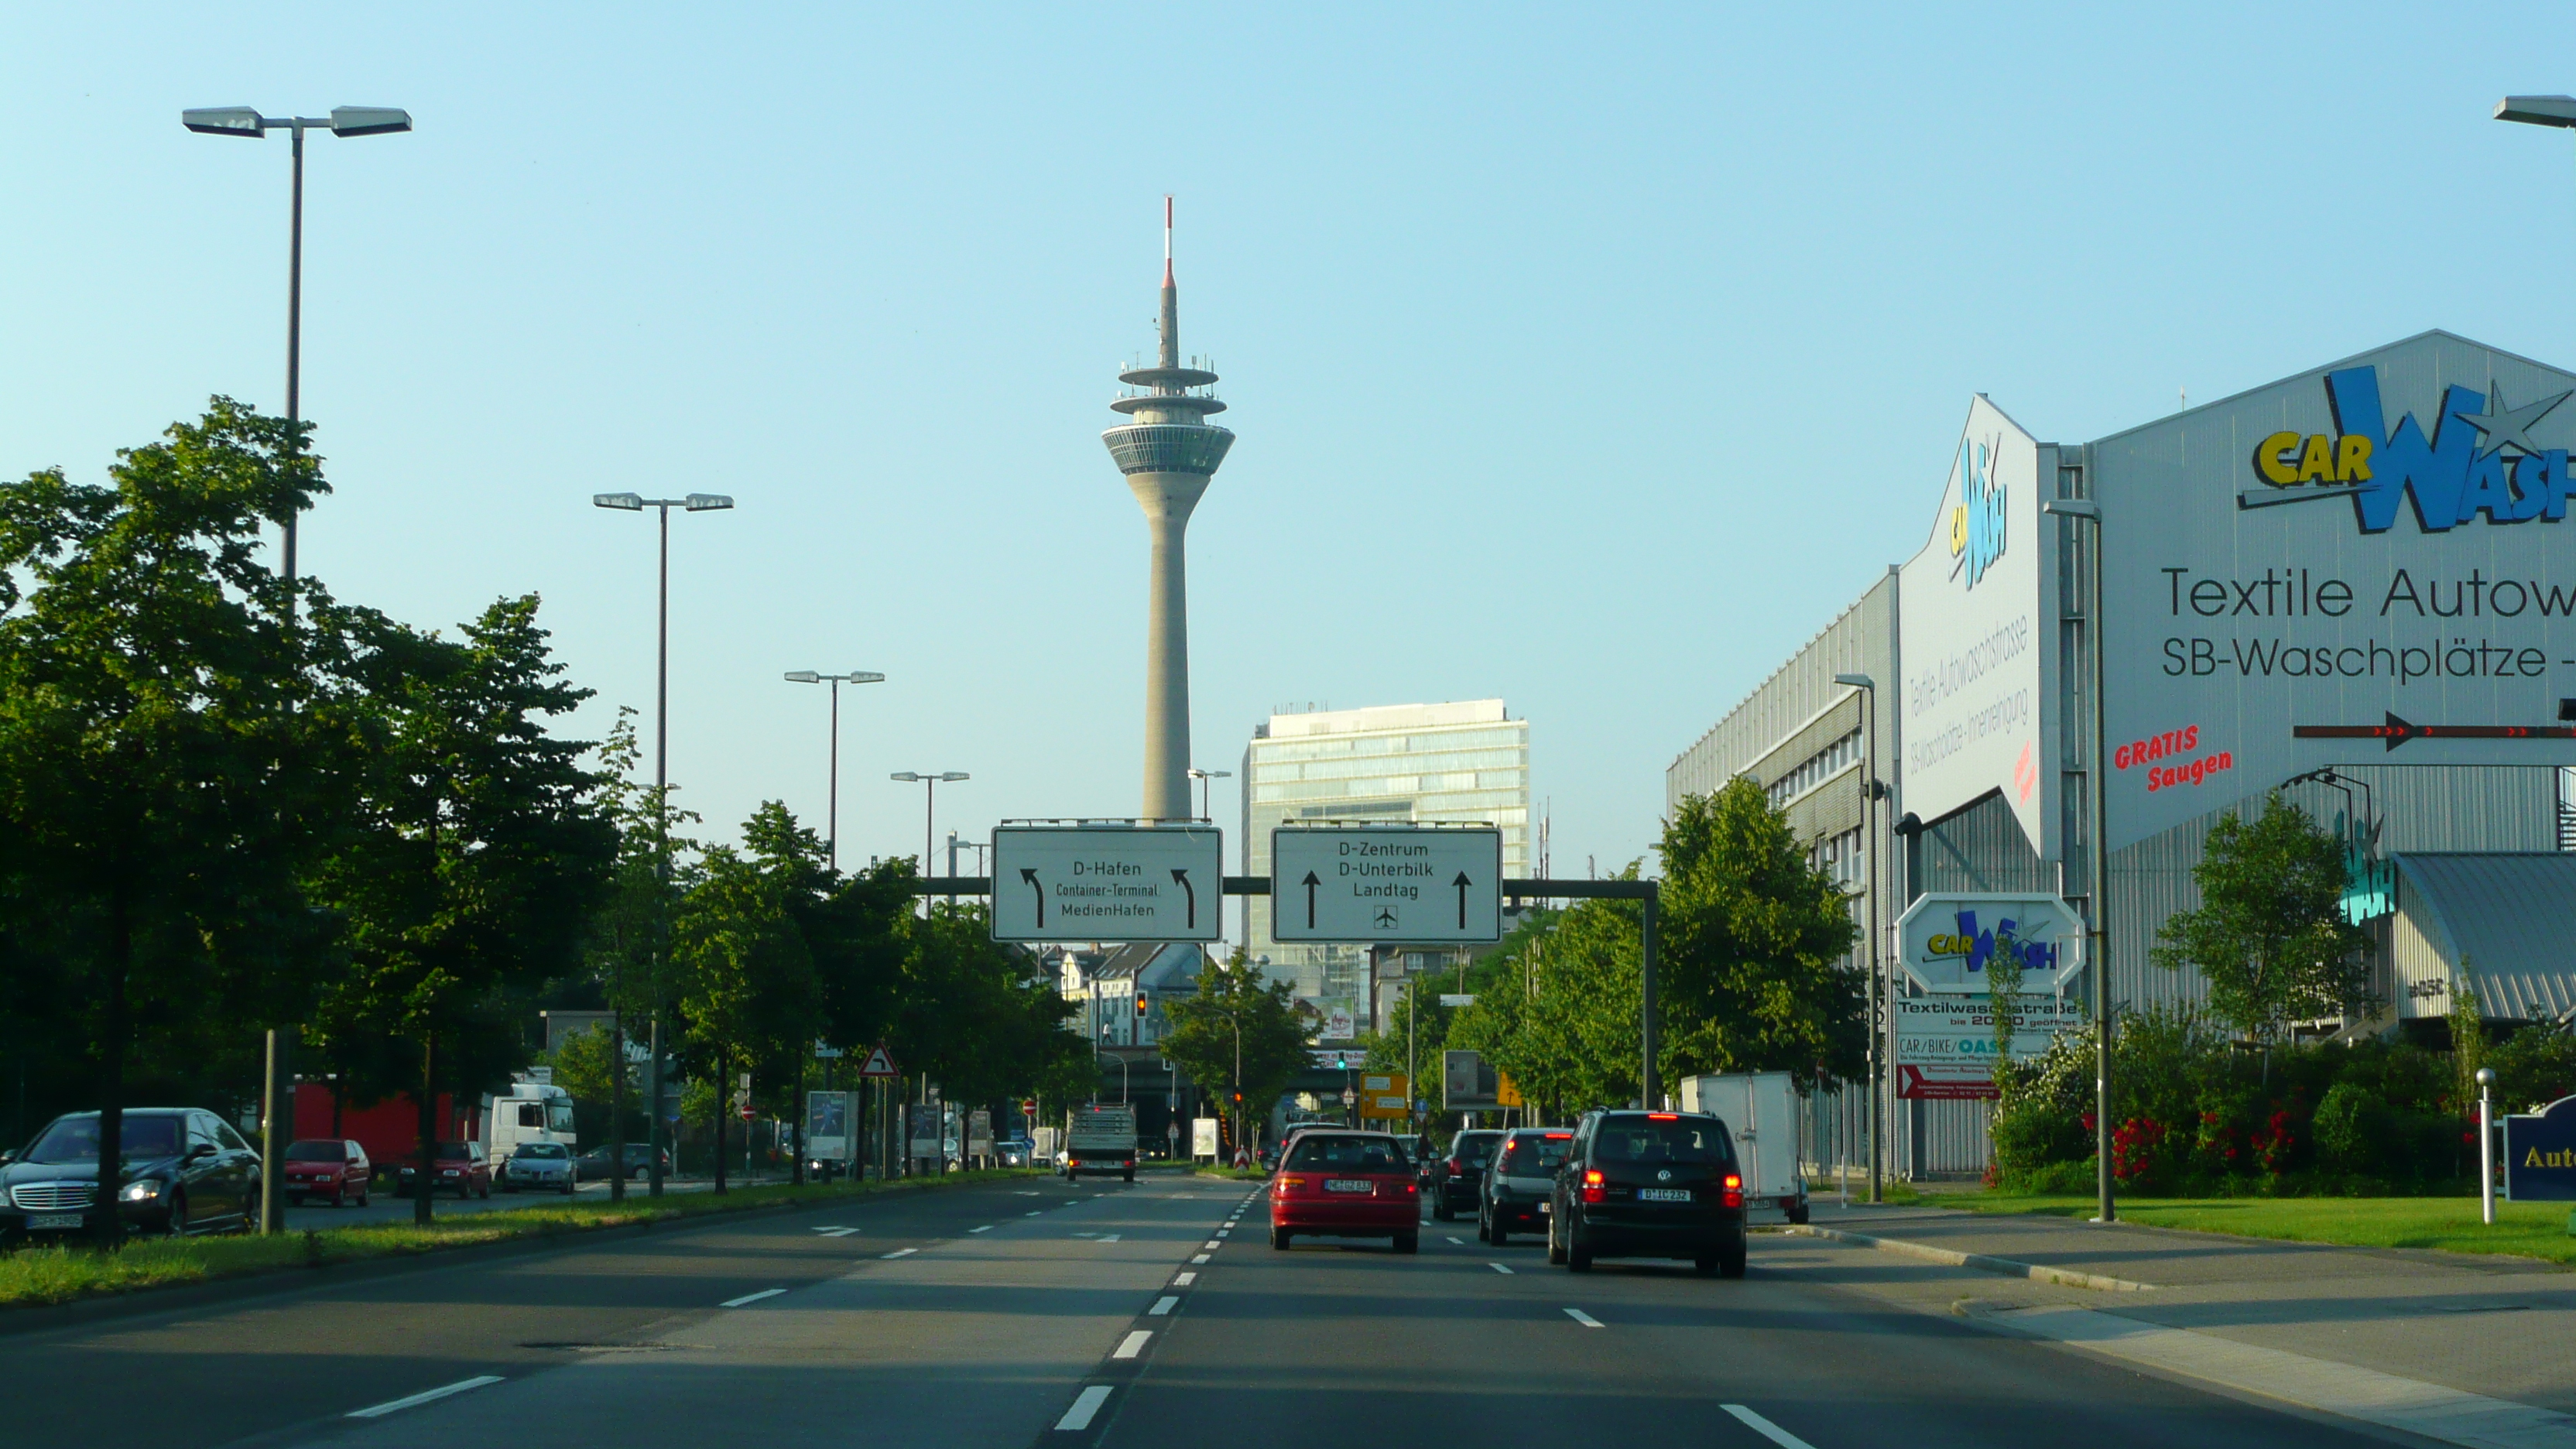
(1518, 1183)
(1457, 1179)
(186, 1171)
(1649, 1185)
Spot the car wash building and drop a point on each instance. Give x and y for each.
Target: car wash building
(2356, 586)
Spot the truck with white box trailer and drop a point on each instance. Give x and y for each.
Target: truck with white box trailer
(1760, 1110)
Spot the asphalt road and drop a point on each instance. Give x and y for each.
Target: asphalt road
(1081, 1317)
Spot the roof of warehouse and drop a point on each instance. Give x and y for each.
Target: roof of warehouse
(2504, 918)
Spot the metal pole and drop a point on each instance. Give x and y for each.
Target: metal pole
(1877, 998)
(1652, 1080)
(832, 811)
(294, 324)
(662, 843)
(2486, 1145)
(2108, 1209)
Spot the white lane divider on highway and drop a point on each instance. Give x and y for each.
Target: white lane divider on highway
(1586, 1319)
(1506, 1272)
(1032, 1214)
(1184, 1278)
(1085, 1404)
(1213, 1245)
(988, 1227)
(1461, 1242)
(836, 1232)
(902, 1253)
(1162, 1306)
(1766, 1428)
(1198, 1257)
(378, 1411)
(1024, 1193)
(751, 1297)
(1133, 1344)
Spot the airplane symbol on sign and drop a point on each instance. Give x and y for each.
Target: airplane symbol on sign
(1386, 915)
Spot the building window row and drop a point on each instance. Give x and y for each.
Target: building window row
(1347, 745)
(1349, 766)
(1817, 768)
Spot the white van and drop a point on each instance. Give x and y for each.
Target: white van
(1760, 1110)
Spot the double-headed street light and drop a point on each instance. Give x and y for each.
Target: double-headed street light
(2097, 883)
(637, 503)
(277, 1112)
(1878, 1027)
(930, 784)
(1203, 776)
(832, 817)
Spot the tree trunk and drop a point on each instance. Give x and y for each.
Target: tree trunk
(429, 1124)
(796, 1173)
(108, 1224)
(724, 1106)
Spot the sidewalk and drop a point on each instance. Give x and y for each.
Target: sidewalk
(2500, 1327)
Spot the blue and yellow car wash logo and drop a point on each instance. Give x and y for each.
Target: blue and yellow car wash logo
(1977, 521)
(2480, 459)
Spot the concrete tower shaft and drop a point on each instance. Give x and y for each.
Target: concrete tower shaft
(1168, 453)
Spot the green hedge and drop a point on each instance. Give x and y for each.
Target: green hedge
(2200, 1115)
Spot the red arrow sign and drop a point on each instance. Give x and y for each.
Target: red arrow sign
(2397, 732)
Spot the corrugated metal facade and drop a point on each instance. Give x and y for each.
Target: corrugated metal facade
(2501, 922)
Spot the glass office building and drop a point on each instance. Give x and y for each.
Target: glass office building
(1461, 763)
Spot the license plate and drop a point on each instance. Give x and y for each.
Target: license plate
(1663, 1194)
(52, 1222)
(1547, 1206)
(1344, 1184)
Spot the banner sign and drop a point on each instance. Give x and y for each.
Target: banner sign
(1945, 1046)
(2540, 1154)
(1947, 941)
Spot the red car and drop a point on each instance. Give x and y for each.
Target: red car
(337, 1170)
(1346, 1185)
(462, 1170)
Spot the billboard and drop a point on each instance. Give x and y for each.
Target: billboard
(2370, 562)
(1945, 941)
(1975, 649)
(1945, 1045)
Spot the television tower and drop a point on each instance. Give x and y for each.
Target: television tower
(1168, 453)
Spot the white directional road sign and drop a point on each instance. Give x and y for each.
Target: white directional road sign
(1386, 883)
(1107, 882)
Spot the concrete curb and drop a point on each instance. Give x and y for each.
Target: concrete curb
(1979, 1261)
(284, 1280)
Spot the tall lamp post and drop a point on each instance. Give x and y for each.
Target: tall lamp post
(635, 503)
(1879, 1029)
(832, 810)
(930, 784)
(277, 1097)
(2097, 882)
(1203, 776)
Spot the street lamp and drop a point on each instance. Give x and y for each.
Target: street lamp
(637, 503)
(2098, 885)
(277, 1091)
(1879, 1030)
(832, 815)
(930, 784)
(2538, 110)
(1203, 776)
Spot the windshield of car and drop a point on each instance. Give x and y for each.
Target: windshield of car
(1533, 1156)
(75, 1139)
(316, 1152)
(551, 1150)
(1349, 1154)
(1652, 1141)
(1475, 1149)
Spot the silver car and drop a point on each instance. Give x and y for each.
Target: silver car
(538, 1165)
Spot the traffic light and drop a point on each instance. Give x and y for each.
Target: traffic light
(1140, 1004)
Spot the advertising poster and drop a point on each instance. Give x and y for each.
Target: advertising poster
(1975, 647)
(1945, 1045)
(2370, 563)
(1946, 941)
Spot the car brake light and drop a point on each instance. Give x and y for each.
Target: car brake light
(1560, 1136)
(1663, 1116)
(1456, 1171)
(1593, 1191)
(1287, 1183)
(1733, 1194)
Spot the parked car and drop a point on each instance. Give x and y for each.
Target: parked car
(1013, 1151)
(537, 1167)
(460, 1168)
(186, 1171)
(1519, 1183)
(1346, 1185)
(1457, 1179)
(1649, 1185)
(333, 1168)
(593, 1165)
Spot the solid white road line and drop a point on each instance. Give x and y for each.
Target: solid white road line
(751, 1297)
(902, 1253)
(1184, 1279)
(1134, 1343)
(1085, 1404)
(988, 1227)
(1198, 1257)
(1586, 1319)
(1499, 1268)
(1162, 1306)
(1766, 1428)
(378, 1411)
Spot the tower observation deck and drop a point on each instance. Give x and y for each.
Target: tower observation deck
(1168, 453)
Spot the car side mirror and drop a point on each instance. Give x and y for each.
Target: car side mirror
(202, 1149)
(8, 1155)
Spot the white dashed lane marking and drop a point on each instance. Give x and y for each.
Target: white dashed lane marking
(988, 1227)
(1085, 1404)
(1499, 1268)
(751, 1297)
(1184, 1279)
(1198, 1257)
(1162, 1306)
(1586, 1319)
(903, 1252)
(1134, 1343)
(1766, 1428)
(378, 1411)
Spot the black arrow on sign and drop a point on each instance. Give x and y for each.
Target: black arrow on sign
(1462, 883)
(1031, 877)
(1181, 878)
(1311, 883)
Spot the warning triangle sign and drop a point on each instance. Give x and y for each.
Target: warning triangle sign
(880, 1067)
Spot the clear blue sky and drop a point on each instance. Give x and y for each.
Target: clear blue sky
(1591, 358)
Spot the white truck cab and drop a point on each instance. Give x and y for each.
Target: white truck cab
(532, 1112)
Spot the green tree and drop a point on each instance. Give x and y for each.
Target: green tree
(2269, 935)
(481, 853)
(584, 1066)
(164, 776)
(1238, 1037)
(747, 987)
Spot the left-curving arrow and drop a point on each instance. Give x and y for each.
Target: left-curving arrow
(1031, 876)
(1181, 878)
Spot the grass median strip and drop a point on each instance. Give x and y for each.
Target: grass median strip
(38, 1276)
(2450, 1224)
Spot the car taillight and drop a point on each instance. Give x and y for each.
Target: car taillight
(1289, 1184)
(1456, 1171)
(1411, 1186)
(1593, 1191)
(1663, 1116)
(1732, 1192)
